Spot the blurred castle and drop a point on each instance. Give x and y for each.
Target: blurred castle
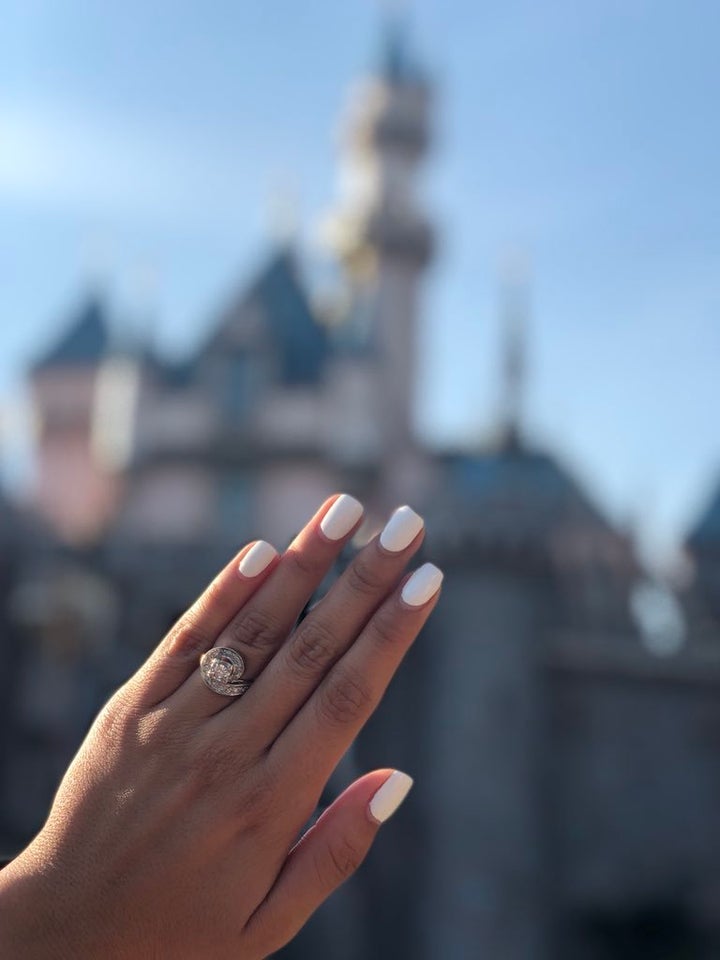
(560, 713)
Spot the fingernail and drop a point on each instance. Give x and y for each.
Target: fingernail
(257, 559)
(422, 585)
(341, 517)
(401, 529)
(391, 794)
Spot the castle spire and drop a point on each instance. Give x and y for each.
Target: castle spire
(396, 63)
(514, 313)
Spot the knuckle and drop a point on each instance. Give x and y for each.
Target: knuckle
(386, 630)
(364, 579)
(344, 857)
(344, 699)
(306, 564)
(312, 649)
(188, 639)
(257, 629)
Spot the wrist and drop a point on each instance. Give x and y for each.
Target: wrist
(29, 925)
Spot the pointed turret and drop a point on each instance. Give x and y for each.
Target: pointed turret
(85, 340)
(274, 313)
(513, 361)
(512, 504)
(396, 62)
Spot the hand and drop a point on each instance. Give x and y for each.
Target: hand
(173, 832)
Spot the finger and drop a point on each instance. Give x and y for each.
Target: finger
(329, 629)
(329, 853)
(342, 703)
(263, 624)
(176, 657)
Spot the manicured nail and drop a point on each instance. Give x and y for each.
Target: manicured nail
(341, 517)
(257, 559)
(422, 585)
(401, 529)
(391, 794)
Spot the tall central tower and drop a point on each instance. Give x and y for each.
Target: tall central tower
(385, 242)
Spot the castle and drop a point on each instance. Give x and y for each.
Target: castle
(562, 727)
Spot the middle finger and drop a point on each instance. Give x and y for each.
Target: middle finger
(329, 630)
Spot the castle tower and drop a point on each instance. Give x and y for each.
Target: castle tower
(385, 242)
(74, 490)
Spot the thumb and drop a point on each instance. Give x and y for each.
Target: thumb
(326, 855)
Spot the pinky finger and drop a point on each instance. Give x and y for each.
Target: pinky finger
(328, 854)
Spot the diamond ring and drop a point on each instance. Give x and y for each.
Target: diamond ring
(222, 668)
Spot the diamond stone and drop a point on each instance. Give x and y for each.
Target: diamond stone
(220, 670)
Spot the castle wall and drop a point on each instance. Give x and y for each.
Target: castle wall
(72, 490)
(484, 892)
(634, 772)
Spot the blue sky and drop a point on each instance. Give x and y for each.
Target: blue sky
(146, 141)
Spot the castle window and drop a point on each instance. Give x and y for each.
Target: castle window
(242, 381)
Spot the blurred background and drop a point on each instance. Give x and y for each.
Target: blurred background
(461, 255)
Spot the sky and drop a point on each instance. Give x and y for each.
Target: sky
(144, 146)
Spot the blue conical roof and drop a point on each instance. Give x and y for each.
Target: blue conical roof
(85, 340)
(301, 340)
(275, 310)
(396, 62)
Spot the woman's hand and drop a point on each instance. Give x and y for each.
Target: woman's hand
(173, 833)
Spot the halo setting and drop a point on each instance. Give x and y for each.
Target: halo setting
(222, 669)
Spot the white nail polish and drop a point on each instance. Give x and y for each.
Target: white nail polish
(391, 794)
(341, 517)
(401, 529)
(422, 585)
(258, 557)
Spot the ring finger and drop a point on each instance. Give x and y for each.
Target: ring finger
(264, 622)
